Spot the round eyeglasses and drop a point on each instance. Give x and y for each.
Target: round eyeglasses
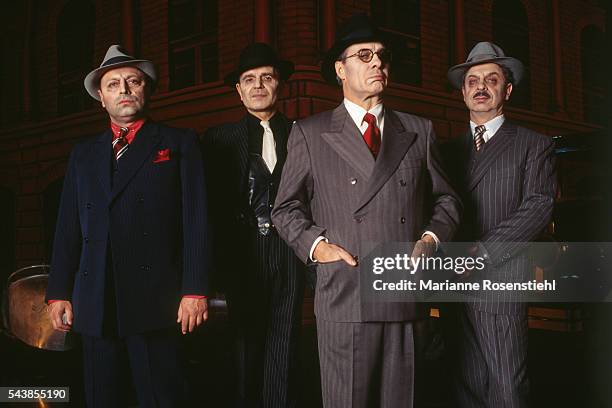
(366, 55)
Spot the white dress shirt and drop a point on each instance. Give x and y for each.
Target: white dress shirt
(492, 127)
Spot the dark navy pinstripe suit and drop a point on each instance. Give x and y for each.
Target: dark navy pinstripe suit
(129, 243)
(508, 190)
(262, 278)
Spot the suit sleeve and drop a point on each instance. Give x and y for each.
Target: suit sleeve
(524, 224)
(291, 214)
(67, 240)
(446, 205)
(196, 239)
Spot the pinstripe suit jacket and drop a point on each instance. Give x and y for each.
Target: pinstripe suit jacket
(508, 191)
(332, 186)
(226, 149)
(150, 216)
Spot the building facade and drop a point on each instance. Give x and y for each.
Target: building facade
(49, 45)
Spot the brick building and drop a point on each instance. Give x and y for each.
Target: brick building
(49, 45)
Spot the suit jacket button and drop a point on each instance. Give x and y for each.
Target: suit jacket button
(353, 181)
(358, 220)
(403, 220)
(144, 234)
(86, 240)
(88, 206)
(403, 183)
(85, 272)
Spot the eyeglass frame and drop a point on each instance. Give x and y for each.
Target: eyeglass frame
(371, 52)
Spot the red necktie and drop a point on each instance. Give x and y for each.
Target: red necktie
(120, 144)
(372, 134)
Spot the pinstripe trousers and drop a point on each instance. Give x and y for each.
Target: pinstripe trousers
(366, 365)
(488, 354)
(265, 312)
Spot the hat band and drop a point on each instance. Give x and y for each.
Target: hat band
(116, 60)
(484, 57)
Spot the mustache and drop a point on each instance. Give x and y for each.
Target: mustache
(482, 93)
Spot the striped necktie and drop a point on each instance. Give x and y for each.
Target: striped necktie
(120, 144)
(479, 136)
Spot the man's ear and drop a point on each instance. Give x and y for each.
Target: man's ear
(508, 91)
(239, 90)
(339, 66)
(101, 99)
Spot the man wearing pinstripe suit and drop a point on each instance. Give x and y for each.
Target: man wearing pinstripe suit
(505, 174)
(264, 284)
(357, 175)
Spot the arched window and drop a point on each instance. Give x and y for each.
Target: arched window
(593, 75)
(511, 32)
(401, 21)
(194, 53)
(51, 201)
(75, 46)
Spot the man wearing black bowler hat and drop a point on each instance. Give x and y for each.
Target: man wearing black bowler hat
(361, 175)
(261, 276)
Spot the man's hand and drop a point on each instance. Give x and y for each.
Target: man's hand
(425, 246)
(192, 312)
(57, 310)
(325, 252)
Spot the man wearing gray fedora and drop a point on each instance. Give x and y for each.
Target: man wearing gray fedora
(130, 251)
(264, 286)
(505, 176)
(362, 174)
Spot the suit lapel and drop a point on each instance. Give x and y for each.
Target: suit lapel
(242, 146)
(395, 143)
(502, 140)
(139, 151)
(100, 159)
(346, 140)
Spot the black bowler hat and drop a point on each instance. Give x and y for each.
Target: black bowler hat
(357, 29)
(259, 55)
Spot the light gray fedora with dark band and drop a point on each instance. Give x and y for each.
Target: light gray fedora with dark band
(116, 57)
(483, 53)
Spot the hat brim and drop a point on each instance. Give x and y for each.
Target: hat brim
(456, 73)
(92, 80)
(328, 65)
(285, 69)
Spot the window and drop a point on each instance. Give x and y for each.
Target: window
(194, 54)
(511, 32)
(75, 46)
(400, 20)
(593, 75)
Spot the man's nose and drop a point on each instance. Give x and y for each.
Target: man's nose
(123, 87)
(258, 82)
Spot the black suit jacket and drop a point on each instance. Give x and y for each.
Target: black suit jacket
(226, 152)
(508, 191)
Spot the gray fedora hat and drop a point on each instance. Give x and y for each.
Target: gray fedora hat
(483, 53)
(116, 57)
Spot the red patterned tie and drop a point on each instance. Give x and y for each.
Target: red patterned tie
(372, 134)
(120, 144)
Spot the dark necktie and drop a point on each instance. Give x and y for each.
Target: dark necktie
(372, 134)
(479, 136)
(120, 144)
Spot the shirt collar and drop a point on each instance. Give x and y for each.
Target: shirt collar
(134, 128)
(357, 113)
(492, 127)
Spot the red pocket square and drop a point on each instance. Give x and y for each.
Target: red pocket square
(162, 155)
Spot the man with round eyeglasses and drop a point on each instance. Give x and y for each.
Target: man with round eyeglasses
(357, 175)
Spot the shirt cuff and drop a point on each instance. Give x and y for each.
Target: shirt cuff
(434, 236)
(195, 296)
(53, 301)
(314, 245)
